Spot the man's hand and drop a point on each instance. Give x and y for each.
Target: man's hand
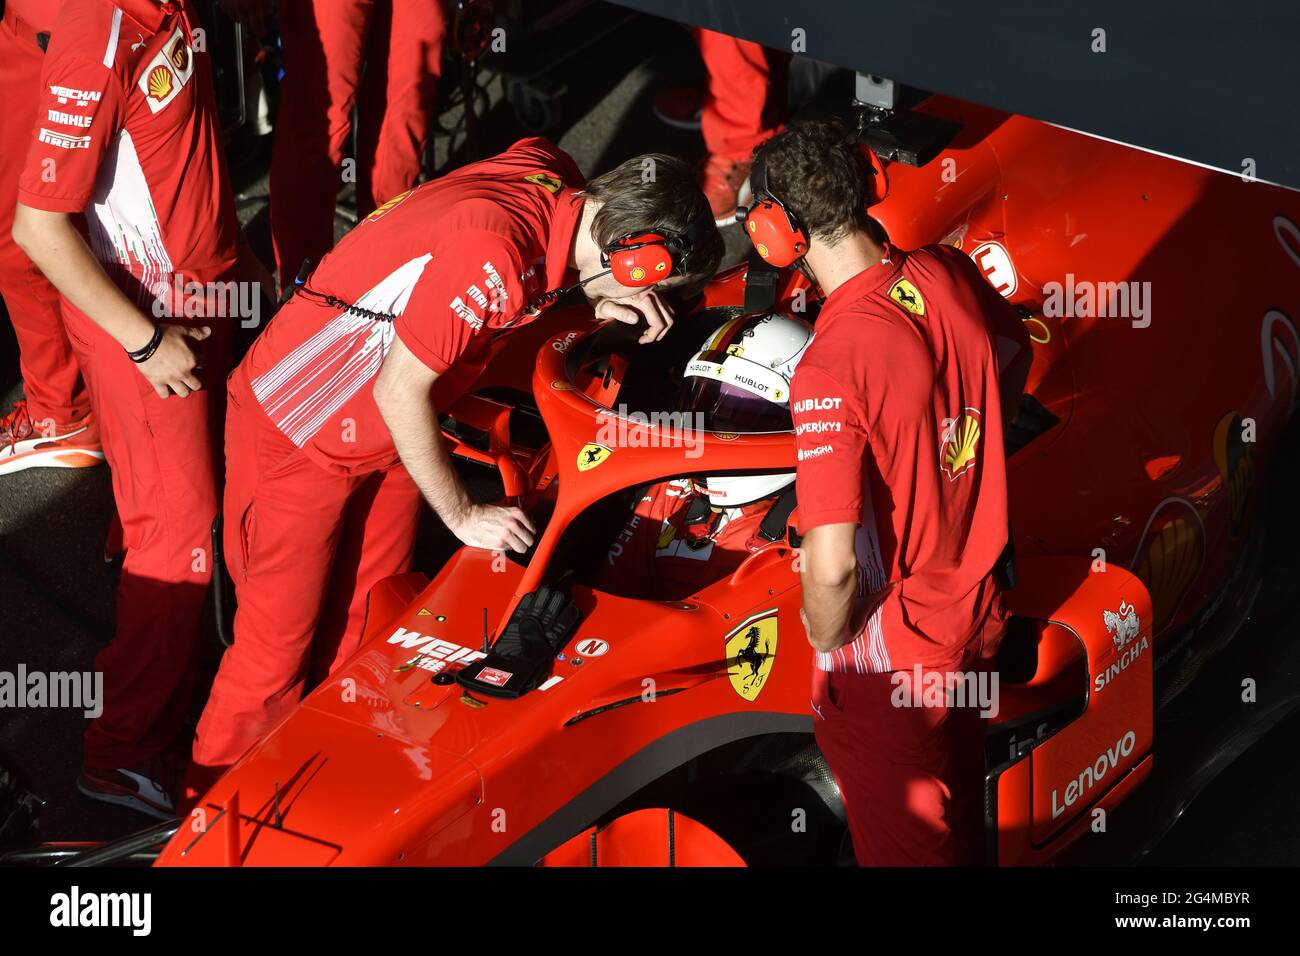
(494, 527)
(826, 646)
(633, 308)
(857, 622)
(173, 365)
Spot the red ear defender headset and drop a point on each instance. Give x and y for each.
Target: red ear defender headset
(774, 230)
(637, 260)
(641, 259)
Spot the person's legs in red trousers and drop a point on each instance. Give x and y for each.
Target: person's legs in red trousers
(56, 399)
(911, 777)
(324, 53)
(293, 531)
(164, 487)
(328, 45)
(738, 114)
(398, 98)
(378, 541)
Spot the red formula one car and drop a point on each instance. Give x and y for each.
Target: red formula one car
(1160, 299)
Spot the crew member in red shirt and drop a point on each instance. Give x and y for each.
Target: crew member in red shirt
(899, 413)
(52, 426)
(685, 534)
(332, 434)
(126, 132)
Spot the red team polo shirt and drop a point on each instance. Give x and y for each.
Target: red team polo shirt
(654, 558)
(457, 260)
(37, 14)
(898, 424)
(127, 132)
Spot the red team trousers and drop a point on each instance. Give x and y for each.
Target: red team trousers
(164, 485)
(911, 777)
(737, 112)
(326, 45)
(51, 379)
(315, 542)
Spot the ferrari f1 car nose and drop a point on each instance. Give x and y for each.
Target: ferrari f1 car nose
(324, 791)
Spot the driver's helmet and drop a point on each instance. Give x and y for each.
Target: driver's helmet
(740, 382)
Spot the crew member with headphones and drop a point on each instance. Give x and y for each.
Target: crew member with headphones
(899, 409)
(332, 434)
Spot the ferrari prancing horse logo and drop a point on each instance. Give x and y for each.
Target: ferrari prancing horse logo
(906, 295)
(550, 183)
(751, 651)
(592, 455)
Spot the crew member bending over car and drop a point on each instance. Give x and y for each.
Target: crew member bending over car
(332, 435)
(899, 414)
(684, 534)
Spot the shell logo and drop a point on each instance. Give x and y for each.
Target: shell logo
(762, 249)
(959, 442)
(638, 274)
(160, 82)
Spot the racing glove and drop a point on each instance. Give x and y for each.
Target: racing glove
(521, 657)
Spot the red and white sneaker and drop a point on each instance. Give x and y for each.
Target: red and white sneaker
(679, 107)
(726, 185)
(146, 789)
(25, 443)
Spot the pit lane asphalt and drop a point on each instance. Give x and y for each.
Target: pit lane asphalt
(56, 594)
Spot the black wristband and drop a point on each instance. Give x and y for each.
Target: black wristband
(146, 352)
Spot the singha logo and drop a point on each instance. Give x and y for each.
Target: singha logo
(1122, 627)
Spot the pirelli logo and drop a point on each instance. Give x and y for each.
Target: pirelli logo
(63, 140)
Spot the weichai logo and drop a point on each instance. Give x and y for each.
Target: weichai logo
(432, 653)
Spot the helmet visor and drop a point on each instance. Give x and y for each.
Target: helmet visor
(730, 408)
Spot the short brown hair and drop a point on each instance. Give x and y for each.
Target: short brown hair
(819, 173)
(658, 192)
